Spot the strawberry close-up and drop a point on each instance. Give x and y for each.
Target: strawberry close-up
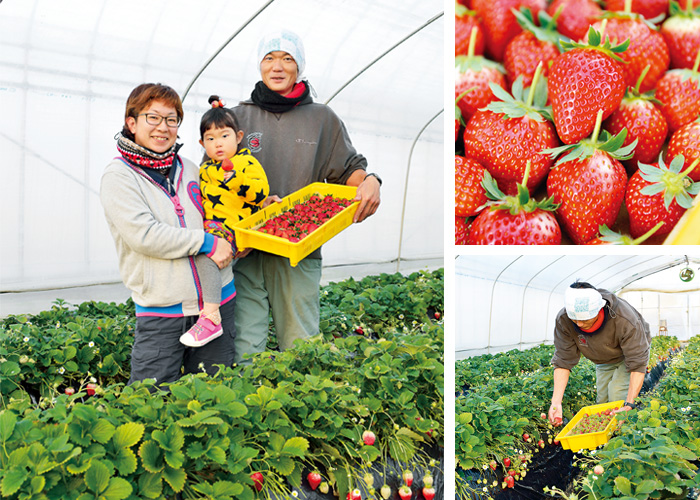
(679, 94)
(682, 33)
(646, 48)
(465, 21)
(657, 193)
(576, 16)
(509, 133)
(515, 220)
(470, 195)
(686, 141)
(582, 81)
(461, 231)
(500, 25)
(650, 9)
(589, 182)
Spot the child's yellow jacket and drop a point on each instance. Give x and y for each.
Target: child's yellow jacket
(242, 195)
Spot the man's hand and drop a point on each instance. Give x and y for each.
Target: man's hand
(270, 200)
(223, 254)
(555, 415)
(368, 196)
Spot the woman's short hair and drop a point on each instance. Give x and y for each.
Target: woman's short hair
(142, 96)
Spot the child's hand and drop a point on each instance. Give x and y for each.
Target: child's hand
(229, 175)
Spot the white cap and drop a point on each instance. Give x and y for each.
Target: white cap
(284, 41)
(583, 303)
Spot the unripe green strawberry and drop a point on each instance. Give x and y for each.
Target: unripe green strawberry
(428, 480)
(324, 487)
(369, 479)
(385, 491)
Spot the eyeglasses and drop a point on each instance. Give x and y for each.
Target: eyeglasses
(153, 119)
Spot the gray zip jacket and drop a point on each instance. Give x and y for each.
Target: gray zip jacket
(307, 144)
(156, 236)
(624, 335)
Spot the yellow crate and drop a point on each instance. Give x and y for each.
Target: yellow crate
(247, 235)
(593, 439)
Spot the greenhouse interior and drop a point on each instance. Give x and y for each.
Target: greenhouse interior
(521, 431)
(64, 80)
(351, 411)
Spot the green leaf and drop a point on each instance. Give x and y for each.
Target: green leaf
(175, 478)
(118, 489)
(12, 480)
(216, 454)
(150, 485)
(127, 435)
(97, 477)
(227, 488)
(125, 461)
(102, 431)
(647, 486)
(37, 483)
(7, 424)
(151, 456)
(295, 446)
(10, 369)
(283, 465)
(623, 484)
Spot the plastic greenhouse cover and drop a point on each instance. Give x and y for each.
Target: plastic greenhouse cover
(67, 66)
(510, 301)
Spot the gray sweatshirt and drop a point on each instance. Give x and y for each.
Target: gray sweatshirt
(156, 237)
(624, 335)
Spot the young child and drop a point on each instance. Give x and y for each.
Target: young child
(234, 186)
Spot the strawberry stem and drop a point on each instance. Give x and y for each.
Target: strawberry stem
(641, 78)
(648, 234)
(628, 6)
(535, 79)
(527, 172)
(596, 129)
(690, 168)
(697, 61)
(603, 25)
(472, 42)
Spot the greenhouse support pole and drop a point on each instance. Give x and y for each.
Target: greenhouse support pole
(235, 34)
(405, 186)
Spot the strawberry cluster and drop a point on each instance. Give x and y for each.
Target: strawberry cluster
(575, 115)
(595, 422)
(304, 218)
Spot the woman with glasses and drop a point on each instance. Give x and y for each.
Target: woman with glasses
(152, 203)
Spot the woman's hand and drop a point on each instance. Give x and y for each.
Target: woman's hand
(368, 195)
(223, 254)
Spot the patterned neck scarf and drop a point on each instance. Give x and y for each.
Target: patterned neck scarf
(144, 157)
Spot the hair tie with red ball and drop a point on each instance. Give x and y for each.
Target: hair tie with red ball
(217, 104)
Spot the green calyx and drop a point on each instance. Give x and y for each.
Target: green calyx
(476, 63)
(547, 29)
(674, 184)
(517, 104)
(462, 11)
(600, 140)
(613, 238)
(633, 94)
(675, 9)
(522, 202)
(594, 43)
(458, 112)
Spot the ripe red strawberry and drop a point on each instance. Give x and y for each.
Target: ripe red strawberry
(506, 462)
(582, 81)
(461, 231)
(465, 21)
(314, 479)
(405, 492)
(686, 141)
(470, 194)
(589, 183)
(511, 132)
(515, 220)
(533, 45)
(368, 438)
(354, 495)
(459, 120)
(644, 122)
(500, 25)
(90, 389)
(510, 481)
(682, 34)
(650, 9)
(659, 193)
(258, 480)
(679, 91)
(429, 493)
(646, 48)
(576, 16)
(474, 73)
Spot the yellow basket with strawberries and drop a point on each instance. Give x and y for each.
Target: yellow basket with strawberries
(248, 234)
(586, 437)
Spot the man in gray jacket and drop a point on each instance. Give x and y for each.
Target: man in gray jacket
(610, 332)
(298, 142)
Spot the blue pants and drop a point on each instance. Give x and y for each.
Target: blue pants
(158, 353)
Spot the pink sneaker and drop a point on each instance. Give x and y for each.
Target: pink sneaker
(201, 333)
